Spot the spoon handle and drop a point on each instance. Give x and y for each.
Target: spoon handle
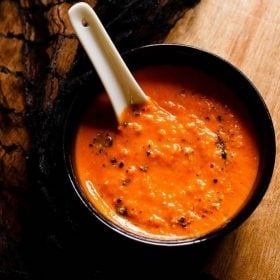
(117, 80)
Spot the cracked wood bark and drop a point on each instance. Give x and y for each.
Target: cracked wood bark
(37, 48)
(37, 51)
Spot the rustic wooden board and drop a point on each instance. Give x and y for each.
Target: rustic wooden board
(247, 33)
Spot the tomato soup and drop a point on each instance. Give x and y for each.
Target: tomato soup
(178, 167)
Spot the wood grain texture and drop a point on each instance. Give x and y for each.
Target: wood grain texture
(247, 33)
(38, 51)
(35, 39)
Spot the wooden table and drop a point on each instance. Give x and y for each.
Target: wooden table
(247, 33)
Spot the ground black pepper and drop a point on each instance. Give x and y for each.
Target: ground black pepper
(182, 221)
(224, 154)
(120, 208)
(126, 181)
(222, 146)
(144, 168)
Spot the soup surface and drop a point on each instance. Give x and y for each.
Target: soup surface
(180, 166)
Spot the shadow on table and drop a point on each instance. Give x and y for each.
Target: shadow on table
(60, 248)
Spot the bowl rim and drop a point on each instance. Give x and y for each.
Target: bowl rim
(247, 209)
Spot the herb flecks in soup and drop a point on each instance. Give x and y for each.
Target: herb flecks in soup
(180, 171)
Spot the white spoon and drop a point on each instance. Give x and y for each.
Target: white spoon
(117, 80)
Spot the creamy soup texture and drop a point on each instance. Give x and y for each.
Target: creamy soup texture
(180, 166)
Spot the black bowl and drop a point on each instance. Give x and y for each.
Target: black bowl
(243, 88)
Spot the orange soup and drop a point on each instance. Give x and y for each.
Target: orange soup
(178, 167)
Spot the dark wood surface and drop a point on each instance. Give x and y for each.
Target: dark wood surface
(42, 231)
